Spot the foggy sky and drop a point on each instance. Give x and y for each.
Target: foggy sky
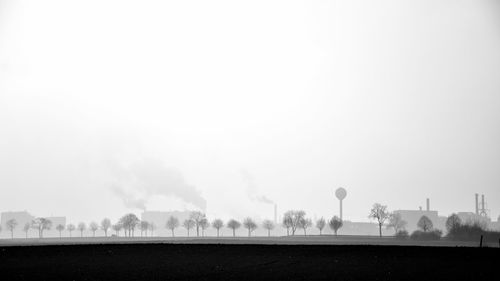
(218, 105)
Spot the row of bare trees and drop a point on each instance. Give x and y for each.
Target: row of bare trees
(296, 219)
(39, 224)
(198, 221)
(293, 220)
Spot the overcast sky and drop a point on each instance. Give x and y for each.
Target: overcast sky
(108, 107)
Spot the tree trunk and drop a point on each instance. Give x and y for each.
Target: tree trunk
(305, 234)
(249, 232)
(234, 234)
(380, 229)
(197, 231)
(188, 232)
(217, 232)
(320, 232)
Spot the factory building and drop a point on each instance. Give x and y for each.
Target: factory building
(21, 218)
(413, 216)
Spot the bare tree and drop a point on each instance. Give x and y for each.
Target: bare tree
(11, 225)
(304, 224)
(60, 228)
(172, 224)
(396, 222)
(380, 213)
(71, 227)
(117, 227)
(197, 217)
(204, 225)
(144, 226)
(218, 224)
(188, 224)
(335, 224)
(233, 224)
(81, 227)
(292, 218)
(129, 222)
(41, 224)
(287, 223)
(249, 224)
(93, 227)
(453, 222)
(425, 223)
(105, 225)
(320, 224)
(26, 228)
(268, 225)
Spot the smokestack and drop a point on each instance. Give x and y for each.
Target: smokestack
(477, 204)
(275, 214)
(482, 205)
(428, 204)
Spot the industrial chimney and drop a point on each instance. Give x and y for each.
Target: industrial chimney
(483, 207)
(477, 204)
(428, 204)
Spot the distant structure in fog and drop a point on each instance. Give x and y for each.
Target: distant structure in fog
(481, 215)
(21, 218)
(481, 209)
(340, 193)
(413, 216)
(24, 217)
(275, 213)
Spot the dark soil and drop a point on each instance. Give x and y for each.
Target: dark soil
(246, 262)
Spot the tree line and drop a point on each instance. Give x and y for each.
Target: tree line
(293, 221)
(197, 222)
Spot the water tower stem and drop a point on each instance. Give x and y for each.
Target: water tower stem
(340, 209)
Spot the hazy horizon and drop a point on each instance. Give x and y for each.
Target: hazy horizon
(109, 107)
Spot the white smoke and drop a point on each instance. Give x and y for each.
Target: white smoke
(150, 177)
(251, 188)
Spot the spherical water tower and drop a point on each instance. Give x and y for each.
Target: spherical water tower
(340, 193)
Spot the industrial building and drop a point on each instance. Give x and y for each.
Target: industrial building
(481, 215)
(21, 218)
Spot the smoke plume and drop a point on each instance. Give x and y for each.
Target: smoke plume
(129, 200)
(150, 177)
(252, 189)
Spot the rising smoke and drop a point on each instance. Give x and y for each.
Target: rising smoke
(129, 200)
(150, 177)
(251, 188)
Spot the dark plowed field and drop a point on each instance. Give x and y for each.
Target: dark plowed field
(246, 262)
